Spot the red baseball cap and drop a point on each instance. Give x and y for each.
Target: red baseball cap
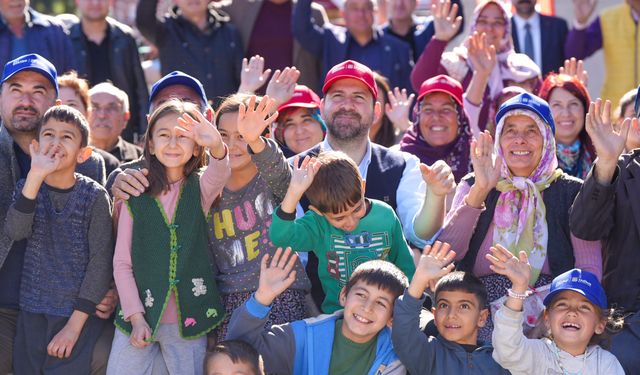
(302, 97)
(442, 83)
(351, 69)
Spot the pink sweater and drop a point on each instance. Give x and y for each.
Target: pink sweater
(461, 223)
(211, 184)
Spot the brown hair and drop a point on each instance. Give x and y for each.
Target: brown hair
(158, 181)
(386, 135)
(68, 115)
(627, 99)
(337, 185)
(239, 352)
(231, 104)
(385, 275)
(77, 84)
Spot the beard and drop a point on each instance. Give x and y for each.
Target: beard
(350, 126)
(25, 123)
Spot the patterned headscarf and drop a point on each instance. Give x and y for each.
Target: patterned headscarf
(520, 214)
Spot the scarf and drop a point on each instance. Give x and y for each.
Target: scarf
(520, 214)
(575, 159)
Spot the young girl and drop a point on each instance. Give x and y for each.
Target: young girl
(576, 314)
(241, 218)
(233, 357)
(168, 296)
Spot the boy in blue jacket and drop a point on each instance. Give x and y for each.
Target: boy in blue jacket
(355, 340)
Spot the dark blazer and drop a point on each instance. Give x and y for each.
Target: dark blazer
(554, 32)
(611, 213)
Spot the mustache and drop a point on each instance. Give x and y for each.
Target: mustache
(349, 113)
(31, 109)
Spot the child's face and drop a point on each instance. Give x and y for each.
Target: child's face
(367, 310)
(458, 316)
(239, 157)
(65, 139)
(348, 219)
(573, 320)
(171, 149)
(221, 364)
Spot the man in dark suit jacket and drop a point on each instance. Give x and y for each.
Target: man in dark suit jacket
(548, 34)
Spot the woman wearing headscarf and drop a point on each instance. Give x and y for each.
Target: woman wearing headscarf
(517, 197)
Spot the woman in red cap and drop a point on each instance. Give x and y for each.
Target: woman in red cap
(299, 125)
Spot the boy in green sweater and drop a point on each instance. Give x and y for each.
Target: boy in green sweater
(342, 227)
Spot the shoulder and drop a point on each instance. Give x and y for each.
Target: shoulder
(386, 156)
(96, 190)
(119, 27)
(568, 183)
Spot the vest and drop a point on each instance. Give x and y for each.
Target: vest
(557, 198)
(57, 252)
(173, 257)
(621, 52)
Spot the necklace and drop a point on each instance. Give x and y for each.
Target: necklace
(559, 361)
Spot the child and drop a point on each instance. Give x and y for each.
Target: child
(576, 314)
(356, 340)
(459, 311)
(233, 357)
(67, 262)
(242, 216)
(161, 266)
(342, 227)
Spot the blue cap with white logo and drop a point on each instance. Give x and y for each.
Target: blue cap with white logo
(178, 78)
(579, 281)
(530, 102)
(33, 62)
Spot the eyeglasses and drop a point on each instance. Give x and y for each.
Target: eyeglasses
(486, 24)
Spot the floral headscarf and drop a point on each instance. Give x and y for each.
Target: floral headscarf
(520, 214)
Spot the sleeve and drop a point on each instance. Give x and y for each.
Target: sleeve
(19, 221)
(428, 65)
(511, 349)
(150, 27)
(409, 197)
(473, 112)
(123, 266)
(273, 168)
(303, 234)
(276, 344)
(309, 35)
(213, 180)
(99, 269)
(582, 43)
(592, 215)
(401, 254)
(588, 255)
(415, 350)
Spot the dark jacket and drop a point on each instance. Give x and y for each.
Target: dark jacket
(43, 35)
(213, 56)
(611, 213)
(553, 33)
(125, 73)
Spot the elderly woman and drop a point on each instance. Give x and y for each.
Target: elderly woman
(441, 130)
(569, 100)
(517, 197)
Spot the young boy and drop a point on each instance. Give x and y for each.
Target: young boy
(66, 221)
(356, 340)
(459, 311)
(342, 227)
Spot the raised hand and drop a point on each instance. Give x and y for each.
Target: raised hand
(445, 22)
(44, 161)
(397, 110)
(435, 262)
(303, 174)
(438, 177)
(608, 142)
(516, 269)
(583, 9)
(252, 120)
(481, 54)
(486, 165)
(253, 76)
(276, 276)
(282, 85)
(575, 68)
(202, 132)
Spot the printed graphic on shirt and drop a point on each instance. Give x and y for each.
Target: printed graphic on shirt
(351, 250)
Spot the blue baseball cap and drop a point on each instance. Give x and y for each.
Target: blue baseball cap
(177, 78)
(636, 105)
(33, 62)
(531, 102)
(579, 281)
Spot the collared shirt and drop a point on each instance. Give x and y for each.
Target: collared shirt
(534, 22)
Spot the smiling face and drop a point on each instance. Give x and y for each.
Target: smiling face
(521, 142)
(438, 119)
(458, 316)
(573, 320)
(172, 150)
(65, 141)
(348, 219)
(568, 114)
(239, 158)
(492, 22)
(367, 310)
(301, 131)
(24, 99)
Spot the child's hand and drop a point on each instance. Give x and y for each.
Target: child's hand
(438, 177)
(303, 174)
(63, 342)
(276, 277)
(435, 262)
(397, 110)
(44, 161)
(252, 120)
(202, 132)
(282, 85)
(253, 76)
(140, 332)
(517, 270)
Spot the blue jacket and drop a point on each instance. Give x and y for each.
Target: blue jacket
(44, 35)
(310, 340)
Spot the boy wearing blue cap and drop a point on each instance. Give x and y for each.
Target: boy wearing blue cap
(576, 314)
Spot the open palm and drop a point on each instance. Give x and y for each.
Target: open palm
(254, 119)
(486, 165)
(608, 142)
(276, 276)
(445, 22)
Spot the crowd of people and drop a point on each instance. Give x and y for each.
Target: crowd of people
(305, 195)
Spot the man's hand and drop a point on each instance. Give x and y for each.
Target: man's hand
(277, 276)
(130, 182)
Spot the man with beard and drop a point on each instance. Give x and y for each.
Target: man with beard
(539, 37)
(28, 89)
